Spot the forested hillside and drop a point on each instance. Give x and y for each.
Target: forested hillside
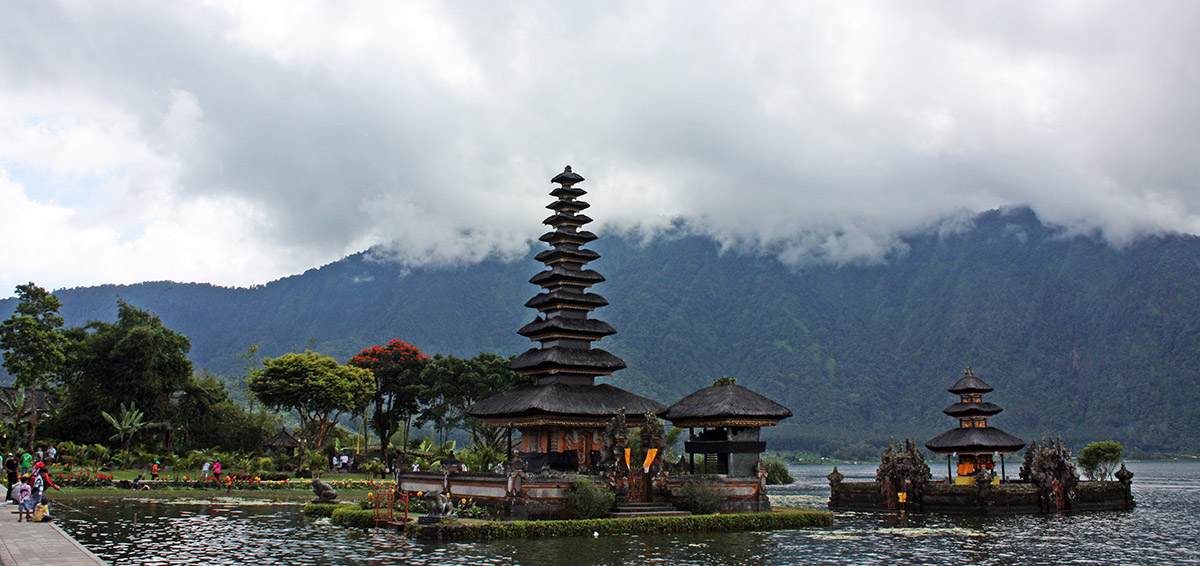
(1078, 338)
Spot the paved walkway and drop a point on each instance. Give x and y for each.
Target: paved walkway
(39, 544)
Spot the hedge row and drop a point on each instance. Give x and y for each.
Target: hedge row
(325, 509)
(454, 530)
(353, 517)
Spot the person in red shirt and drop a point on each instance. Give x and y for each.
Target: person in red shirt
(39, 469)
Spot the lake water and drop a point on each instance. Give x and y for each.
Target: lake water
(1162, 529)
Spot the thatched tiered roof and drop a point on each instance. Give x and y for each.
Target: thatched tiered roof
(974, 440)
(562, 403)
(973, 435)
(969, 384)
(565, 364)
(726, 405)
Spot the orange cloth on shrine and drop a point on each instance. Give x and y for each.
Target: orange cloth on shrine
(650, 454)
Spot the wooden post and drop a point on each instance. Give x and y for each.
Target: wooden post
(949, 477)
(691, 455)
(1003, 477)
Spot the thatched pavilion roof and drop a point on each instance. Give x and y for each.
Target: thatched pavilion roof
(282, 440)
(726, 405)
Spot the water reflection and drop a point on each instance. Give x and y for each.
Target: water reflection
(232, 531)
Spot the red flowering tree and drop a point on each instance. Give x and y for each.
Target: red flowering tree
(397, 369)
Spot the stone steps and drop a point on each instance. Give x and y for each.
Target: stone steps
(629, 510)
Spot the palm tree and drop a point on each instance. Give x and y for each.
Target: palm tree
(21, 410)
(127, 425)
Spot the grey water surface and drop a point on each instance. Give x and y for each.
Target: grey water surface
(1161, 530)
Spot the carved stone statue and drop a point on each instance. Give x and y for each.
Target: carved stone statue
(615, 433)
(1051, 467)
(1123, 475)
(835, 477)
(438, 505)
(325, 492)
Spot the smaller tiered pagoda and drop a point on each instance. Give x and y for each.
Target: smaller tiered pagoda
(973, 441)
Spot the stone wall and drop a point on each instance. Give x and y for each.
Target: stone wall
(533, 496)
(1005, 498)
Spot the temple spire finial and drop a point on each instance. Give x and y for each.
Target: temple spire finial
(567, 177)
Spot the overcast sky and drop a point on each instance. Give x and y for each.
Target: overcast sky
(237, 142)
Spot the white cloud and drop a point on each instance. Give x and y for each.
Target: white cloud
(237, 142)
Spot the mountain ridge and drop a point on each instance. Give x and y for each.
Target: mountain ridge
(1078, 338)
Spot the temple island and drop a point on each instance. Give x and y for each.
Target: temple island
(1047, 481)
(564, 424)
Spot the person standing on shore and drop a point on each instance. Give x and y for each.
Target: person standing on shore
(204, 470)
(217, 470)
(26, 462)
(10, 475)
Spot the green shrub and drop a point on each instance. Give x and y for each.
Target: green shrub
(777, 472)
(586, 500)
(480, 457)
(349, 516)
(324, 509)
(701, 498)
(372, 466)
(1099, 459)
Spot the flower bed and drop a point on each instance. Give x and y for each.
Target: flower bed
(229, 483)
(82, 479)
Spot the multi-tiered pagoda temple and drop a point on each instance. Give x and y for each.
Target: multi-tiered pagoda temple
(973, 440)
(561, 416)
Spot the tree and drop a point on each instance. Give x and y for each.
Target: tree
(207, 417)
(312, 385)
(35, 351)
(137, 359)
(251, 364)
(1099, 459)
(396, 368)
(34, 348)
(128, 423)
(452, 384)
